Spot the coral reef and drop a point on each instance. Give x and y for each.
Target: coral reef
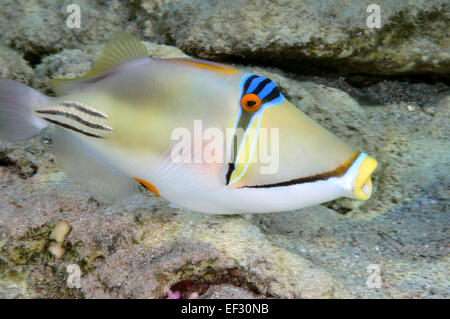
(413, 35)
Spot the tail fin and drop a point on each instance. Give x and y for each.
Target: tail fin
(18, 102)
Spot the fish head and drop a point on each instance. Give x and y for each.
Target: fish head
(273, 144)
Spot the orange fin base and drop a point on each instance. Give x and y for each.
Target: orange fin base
(207, 64)
(148, 185)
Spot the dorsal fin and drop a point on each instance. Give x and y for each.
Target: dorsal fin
(120, 48)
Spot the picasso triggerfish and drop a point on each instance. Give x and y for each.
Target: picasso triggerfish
(203, 135)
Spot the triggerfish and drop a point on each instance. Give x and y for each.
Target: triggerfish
(200, 134)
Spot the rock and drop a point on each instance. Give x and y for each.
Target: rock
(14, 67)
(68, 63)
(56, 249)
(296, 36)
(58, 235)
(164, 51)
(408, 244)
(40, 26)
(72, 63)
(144, 248)
(300, 36)
(15, 288)
(227, 292)
(60, 231)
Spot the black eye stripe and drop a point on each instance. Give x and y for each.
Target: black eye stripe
(261, 86)
(231, 167)
(248, 82)
(271, 96)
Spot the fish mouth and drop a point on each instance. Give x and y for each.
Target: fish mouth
(354, 176)
(337, 172)
(362, 185)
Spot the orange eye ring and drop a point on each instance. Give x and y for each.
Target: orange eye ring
(250, 102)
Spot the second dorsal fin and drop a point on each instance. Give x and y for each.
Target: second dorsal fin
(120, 48)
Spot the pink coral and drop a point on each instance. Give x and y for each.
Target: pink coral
(173, 294)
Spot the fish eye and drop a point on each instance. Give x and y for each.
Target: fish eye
(250, 102)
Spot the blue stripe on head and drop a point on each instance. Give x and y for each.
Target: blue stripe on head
(244, 79)
(280, 99)
(266, 90)
(254, 84)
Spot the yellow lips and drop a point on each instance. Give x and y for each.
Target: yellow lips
(362, 188)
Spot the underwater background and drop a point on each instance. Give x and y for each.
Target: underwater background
(384, 89)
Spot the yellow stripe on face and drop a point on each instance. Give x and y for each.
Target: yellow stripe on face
(207, 65)
(257, 94)
(246, 152)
